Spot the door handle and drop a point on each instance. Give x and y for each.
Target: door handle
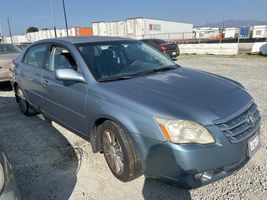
(30, 79)
(45, 83)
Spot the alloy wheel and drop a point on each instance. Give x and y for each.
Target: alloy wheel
(113, 152)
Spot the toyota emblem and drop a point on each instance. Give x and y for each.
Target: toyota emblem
(250, 119)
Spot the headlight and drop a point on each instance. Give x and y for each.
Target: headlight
(2, 178)
(182, 132)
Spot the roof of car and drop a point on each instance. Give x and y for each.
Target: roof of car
(85, 39)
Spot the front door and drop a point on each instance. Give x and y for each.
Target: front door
(64, 101)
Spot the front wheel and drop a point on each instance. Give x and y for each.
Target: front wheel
(119, 152)
(23, 104)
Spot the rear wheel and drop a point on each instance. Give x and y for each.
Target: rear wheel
(23, 104)
(119, 152)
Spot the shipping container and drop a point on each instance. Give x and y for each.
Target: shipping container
(259, 31)
(99, 28)
(206, 32)
(140, 28)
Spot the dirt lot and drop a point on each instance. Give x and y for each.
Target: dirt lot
(52, 163)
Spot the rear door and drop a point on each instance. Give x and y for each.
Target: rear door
(64, 101)
(30, 71)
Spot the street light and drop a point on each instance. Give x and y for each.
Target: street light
(66, 23)
(53, 16)
(10, 34)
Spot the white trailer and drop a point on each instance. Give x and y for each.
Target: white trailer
(206, 32)
(140, 28)
(231, 33)
(259, 31)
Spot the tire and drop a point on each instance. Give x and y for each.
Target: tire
(23, 103)
(119, 152)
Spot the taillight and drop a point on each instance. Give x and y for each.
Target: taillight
(163, 48)
(11, 70)
(11, 67)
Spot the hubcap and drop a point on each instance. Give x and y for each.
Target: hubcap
(113, 152)
(22, 101)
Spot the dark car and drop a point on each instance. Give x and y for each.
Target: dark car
(144, 112)
(8, 186)
(168, 48)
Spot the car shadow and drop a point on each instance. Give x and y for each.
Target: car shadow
(154, 189)
(44, 163)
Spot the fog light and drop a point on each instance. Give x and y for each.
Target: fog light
(198, 176)
(203, 176)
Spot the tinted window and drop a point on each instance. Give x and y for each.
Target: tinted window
(60, 58)
(35, 55)
(159, 41)
(121, 58)
(8, 49)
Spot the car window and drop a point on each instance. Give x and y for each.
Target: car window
(35, 55)
(121, 58)
(60, 58)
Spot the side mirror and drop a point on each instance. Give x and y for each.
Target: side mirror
(69, 75)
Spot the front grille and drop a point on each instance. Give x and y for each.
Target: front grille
(242, 126)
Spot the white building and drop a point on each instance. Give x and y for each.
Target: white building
(259, 31)
(141, 27)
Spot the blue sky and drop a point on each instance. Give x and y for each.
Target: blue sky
(25, 13)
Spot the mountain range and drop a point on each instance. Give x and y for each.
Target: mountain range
(235, 23)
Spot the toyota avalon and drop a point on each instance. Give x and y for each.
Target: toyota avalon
(145, 113)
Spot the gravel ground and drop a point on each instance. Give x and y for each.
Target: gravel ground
(50, 162)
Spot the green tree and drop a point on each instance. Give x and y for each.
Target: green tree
(32, 29)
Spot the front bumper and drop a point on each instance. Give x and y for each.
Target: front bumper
(191, 165)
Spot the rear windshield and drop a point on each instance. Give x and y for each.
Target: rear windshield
(160, 41)
(9, 49)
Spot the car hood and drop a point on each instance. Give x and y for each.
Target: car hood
(185, 93)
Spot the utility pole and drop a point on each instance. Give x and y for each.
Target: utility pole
(10, 34)
(223, 22)
(53, 16)
(66, 23)
(1, 35)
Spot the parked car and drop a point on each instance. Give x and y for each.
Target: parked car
(8, 186)
(7, 53)
(168, 48)
(144, 112)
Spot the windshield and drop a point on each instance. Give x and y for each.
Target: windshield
(9, 49)
(123, 59)
(160, 41)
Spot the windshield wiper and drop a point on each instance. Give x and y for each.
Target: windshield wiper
(159, 69)
(162, 69)
(114, 78)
